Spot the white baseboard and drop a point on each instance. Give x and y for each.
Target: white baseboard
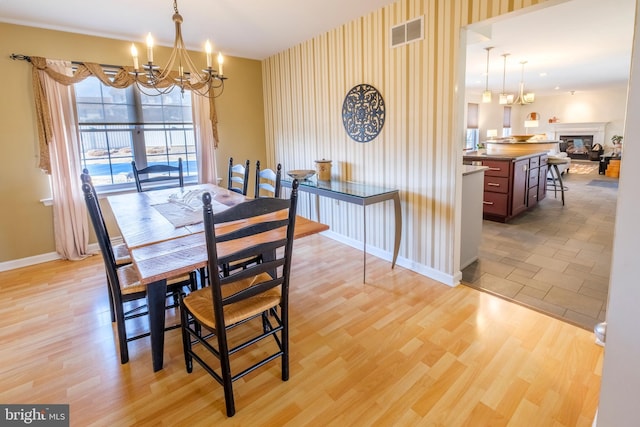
(38, 259)
(447, 279)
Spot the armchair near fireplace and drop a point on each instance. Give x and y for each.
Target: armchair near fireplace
(579, 147)
(595, 152)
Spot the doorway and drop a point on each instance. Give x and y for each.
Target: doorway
(555, 259)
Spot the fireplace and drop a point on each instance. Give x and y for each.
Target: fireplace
(577, 146)
(577, 139)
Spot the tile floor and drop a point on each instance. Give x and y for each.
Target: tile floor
(554, 259)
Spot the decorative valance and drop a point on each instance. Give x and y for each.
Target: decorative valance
(120, 80)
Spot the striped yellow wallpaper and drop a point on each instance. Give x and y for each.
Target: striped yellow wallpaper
(419, 148)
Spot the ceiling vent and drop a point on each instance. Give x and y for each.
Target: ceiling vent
(407, 32)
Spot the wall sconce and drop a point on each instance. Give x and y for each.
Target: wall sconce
(532, 121)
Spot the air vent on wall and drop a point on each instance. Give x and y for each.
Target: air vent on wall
(407, 32)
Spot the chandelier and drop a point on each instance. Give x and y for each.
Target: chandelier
(486, 95)
(180, 70)
(505, 98)
(524, 98)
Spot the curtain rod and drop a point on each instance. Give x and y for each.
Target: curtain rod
(20, 57)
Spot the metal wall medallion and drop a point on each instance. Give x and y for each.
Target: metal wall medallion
(363, 113)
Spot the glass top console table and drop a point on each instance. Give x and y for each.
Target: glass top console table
(359, 194)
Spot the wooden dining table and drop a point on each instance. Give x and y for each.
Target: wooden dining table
(164, 232)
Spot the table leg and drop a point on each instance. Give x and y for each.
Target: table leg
(560, 181)
(156, 295)
(398, 231)
(364, 244)
(554, 174)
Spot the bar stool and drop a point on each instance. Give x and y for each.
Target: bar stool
(553, 163)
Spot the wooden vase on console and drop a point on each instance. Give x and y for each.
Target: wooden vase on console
(323, 170)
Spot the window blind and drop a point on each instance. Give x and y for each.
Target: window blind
(472, 116)
(506, 117)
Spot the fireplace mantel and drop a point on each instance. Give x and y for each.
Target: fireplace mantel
(597, 129)
(580, 127)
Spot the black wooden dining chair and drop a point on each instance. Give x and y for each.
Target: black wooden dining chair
(268, 182)
(238, 179)
(123, 282)
(158, 176)
(250, 304)
(120, 250)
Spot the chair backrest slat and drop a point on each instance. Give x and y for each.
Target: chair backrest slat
(170, 175)
(261, 227)
(252, 251)
(252, 208)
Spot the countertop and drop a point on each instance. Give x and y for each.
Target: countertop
(519, 148)
(470, 169)
(475, 156)
(534, 141)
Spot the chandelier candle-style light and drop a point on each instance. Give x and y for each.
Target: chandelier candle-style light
(180, 70)
(505, 98)
(486, 95)
(524, 98)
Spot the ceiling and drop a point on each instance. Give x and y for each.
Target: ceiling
(569, 46)
(579, 44)
(252, 29)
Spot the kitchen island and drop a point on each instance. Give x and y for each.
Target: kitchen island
(512, 183)
(512, 147)
(471, 230)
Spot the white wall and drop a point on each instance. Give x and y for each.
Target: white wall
(604, 105)
(620, 386)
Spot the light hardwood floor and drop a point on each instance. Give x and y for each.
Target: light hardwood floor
(398, 350)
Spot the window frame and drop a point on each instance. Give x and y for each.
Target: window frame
(472, 134)
(139, 134)
(506, 121)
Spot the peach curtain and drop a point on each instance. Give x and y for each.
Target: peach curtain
(206, 142)
(71, 229)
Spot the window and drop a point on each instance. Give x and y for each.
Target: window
(506, 122)
(473, 134)
(120, 125)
